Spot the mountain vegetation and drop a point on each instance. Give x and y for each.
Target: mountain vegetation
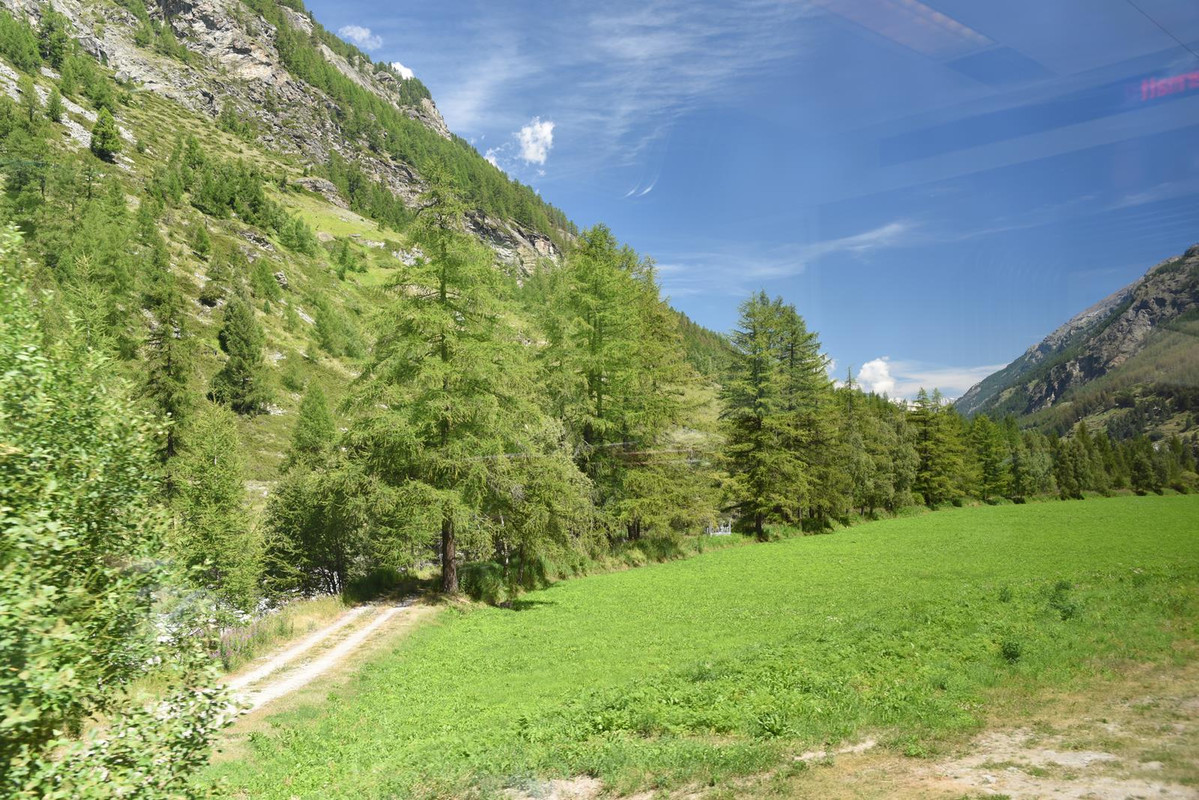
(300, 340)
(1126, 365)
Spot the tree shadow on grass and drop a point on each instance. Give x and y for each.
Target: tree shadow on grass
(522, 604)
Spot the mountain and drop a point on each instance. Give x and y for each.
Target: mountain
(270, 71)
(1129, 363)
(255, 155)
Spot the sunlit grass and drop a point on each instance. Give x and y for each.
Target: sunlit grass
(694, 671)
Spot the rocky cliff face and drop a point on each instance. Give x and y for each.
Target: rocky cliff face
(1092, 344)
(236, 63)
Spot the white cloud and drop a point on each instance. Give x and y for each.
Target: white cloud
(875, 376)
(652, 64)
(890, 235)
(360, 36)
(536, 140)
(402, 71)
(906, 378)
(492, 156)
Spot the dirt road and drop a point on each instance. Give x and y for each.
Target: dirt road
(282, 673)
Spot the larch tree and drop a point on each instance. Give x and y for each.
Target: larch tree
(938, 447)
(314, 433)
(242, 382)
(767, 480)
(812, 417)
(169, 363)
(990, 449)
(106, 139)
(446, 411)
(614, 368)
(214, 537)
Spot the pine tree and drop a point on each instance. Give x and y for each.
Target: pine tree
(314, 433)
(106, 139)
(242, 382)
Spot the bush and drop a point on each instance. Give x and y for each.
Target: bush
(81, 564)
(484, 581)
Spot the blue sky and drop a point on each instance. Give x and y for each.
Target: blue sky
(935, 185)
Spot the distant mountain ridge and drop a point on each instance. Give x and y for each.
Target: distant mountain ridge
(1103, 342)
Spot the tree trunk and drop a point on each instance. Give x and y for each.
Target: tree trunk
(449, 553)
(758, 531)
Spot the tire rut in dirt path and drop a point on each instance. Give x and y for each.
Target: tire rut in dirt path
(255, 689)
(276, 662)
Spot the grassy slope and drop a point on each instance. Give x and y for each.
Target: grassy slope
(158, 121)
(697, 670)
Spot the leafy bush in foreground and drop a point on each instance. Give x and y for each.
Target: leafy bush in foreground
(78, 538)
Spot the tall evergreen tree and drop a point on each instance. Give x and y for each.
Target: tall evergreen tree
(54, 106)
(106, 139)
(767, 477)
(939, 449)
(991, 452)
(811, 417)
(214, 536)
(314, 433)
(613, 363)
(446, 405)
(169, 364)
(242, 382)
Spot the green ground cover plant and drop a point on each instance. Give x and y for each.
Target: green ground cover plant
(694, 671)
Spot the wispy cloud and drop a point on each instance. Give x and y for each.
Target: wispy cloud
(616, 78)
(735, 269)
(360, 36)
(654, 63)
(482, 96)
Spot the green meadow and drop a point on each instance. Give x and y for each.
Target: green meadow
(729, 663)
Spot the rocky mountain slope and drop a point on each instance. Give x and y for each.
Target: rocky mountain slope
(239, 63)
(1086, 367)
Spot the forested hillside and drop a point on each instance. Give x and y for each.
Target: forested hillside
(271, 331)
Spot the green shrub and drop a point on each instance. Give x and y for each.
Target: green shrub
(81, 563)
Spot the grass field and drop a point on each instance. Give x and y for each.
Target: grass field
(695, 671)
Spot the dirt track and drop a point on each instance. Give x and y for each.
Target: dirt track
(291, 669)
